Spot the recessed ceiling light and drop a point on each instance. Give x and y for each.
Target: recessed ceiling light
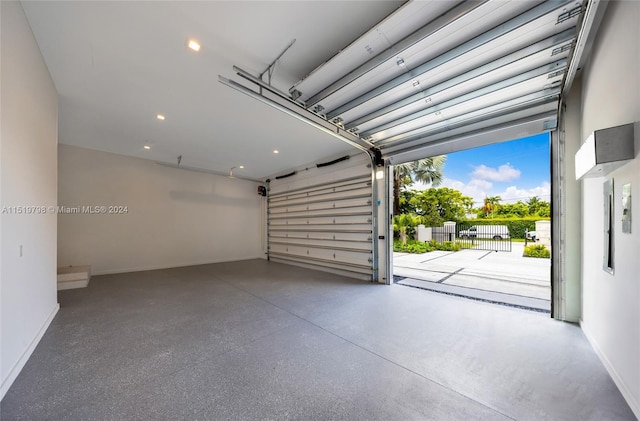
(147, 147)
(241, 167)
(276, 151)
(194, 45)
(160, 117)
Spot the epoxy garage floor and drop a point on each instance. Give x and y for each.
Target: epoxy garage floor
(261, 340)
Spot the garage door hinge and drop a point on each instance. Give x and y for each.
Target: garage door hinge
(569, 14)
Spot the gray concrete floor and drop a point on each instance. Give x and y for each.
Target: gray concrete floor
(261, 340)
(514, 279)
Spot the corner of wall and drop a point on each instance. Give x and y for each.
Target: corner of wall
(170, 216)
(28, 189)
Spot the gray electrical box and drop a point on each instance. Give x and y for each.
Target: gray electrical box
(605, 150)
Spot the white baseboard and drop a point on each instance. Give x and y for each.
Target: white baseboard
(19, 365)
(174, 265)
(624, 390)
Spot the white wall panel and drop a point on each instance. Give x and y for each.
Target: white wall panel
(611, 97)
(174, 217)
(28, 300)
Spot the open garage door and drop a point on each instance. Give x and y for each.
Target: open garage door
(321, 217)
(436, 77)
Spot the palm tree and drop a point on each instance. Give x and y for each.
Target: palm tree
(491, 204)
(427, 170)
(402, 222)
(533, 203)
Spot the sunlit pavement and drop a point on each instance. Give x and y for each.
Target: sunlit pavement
(504, 277)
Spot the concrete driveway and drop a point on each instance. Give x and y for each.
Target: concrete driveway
(502, 277)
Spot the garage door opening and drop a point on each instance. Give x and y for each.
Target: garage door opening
(476, 223)
(432, 79)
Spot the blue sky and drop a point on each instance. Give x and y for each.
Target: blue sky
(514, 170)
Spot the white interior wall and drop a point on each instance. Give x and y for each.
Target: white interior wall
(611, 97)
(29, 118)
(173, 217)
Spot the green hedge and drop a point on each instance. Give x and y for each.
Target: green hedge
(517, 227)
(414, 246)
(537, 250)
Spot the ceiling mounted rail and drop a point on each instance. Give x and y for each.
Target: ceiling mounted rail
(277, 99)
(271, 68)
(202, 170)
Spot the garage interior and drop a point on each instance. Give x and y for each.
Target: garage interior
(211, 301)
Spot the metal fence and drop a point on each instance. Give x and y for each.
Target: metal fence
(483, 237)
(469, 236)
(445, 233)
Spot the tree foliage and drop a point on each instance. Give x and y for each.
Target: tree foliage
(491, 204)
(435, 205)
(428, 171)
(404, 221)
(517, 226)
(492, 208)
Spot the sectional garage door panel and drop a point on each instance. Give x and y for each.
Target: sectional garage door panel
(441, 76)
(478, 67)
(322, 218)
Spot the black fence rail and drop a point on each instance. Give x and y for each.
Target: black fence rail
(483, 237)
(468, 236)
(443, 234)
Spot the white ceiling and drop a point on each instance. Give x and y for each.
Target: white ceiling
(118, 64)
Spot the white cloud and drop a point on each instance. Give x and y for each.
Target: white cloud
(476, 189)
(479, 189)
(481, 185)
(512, 194)
(503, 173)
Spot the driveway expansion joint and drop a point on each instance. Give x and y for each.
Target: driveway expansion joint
(450, 275)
